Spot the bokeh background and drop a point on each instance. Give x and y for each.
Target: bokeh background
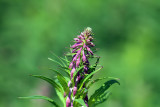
(126, 33)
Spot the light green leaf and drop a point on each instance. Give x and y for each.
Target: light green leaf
(61, 97)
(80, 101)
(42, 97)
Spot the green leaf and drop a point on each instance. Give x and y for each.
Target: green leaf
(62, 80)
(102, 98)
(42, 97)
(88, 76)
(59, 58)
(94, 81)
(80, 101)
(53, 83)
(55, 61)
(71, 54)
(101, 90)
(61, 97)
(66, 70)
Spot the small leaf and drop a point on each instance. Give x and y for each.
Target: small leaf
(42, 97)
(80, 101)
(53, 83)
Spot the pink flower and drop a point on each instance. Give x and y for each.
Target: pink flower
(78, 62)
(68, 102)
(72, 71)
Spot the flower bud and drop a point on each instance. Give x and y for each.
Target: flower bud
(72, 71)
(68, 102)
(74, 90)
(78, 62)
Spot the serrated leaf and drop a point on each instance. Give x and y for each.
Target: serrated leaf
(101, 90)
(53, 83)
(88, 76)
(80, 101)
(42, 97)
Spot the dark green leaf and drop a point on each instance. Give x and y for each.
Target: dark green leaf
(101, 90)
(53, 83)
(94, 81)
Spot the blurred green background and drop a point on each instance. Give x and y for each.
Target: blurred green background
(126, 33)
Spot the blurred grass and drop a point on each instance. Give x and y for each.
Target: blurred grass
(126, 31)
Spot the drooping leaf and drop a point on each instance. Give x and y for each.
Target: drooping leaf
(101, 90)
(42, 97)
(88, 76)
(52, 82)
(80, 101)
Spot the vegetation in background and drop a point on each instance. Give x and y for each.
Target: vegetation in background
(128, 35)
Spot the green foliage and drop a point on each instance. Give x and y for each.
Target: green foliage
(42, 97)
(99, 95)
(80, 101)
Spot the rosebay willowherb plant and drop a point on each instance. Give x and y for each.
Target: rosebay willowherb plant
(73, 88)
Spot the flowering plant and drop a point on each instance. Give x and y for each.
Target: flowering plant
(73, 89)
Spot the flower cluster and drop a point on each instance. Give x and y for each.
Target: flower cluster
(81, 52)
